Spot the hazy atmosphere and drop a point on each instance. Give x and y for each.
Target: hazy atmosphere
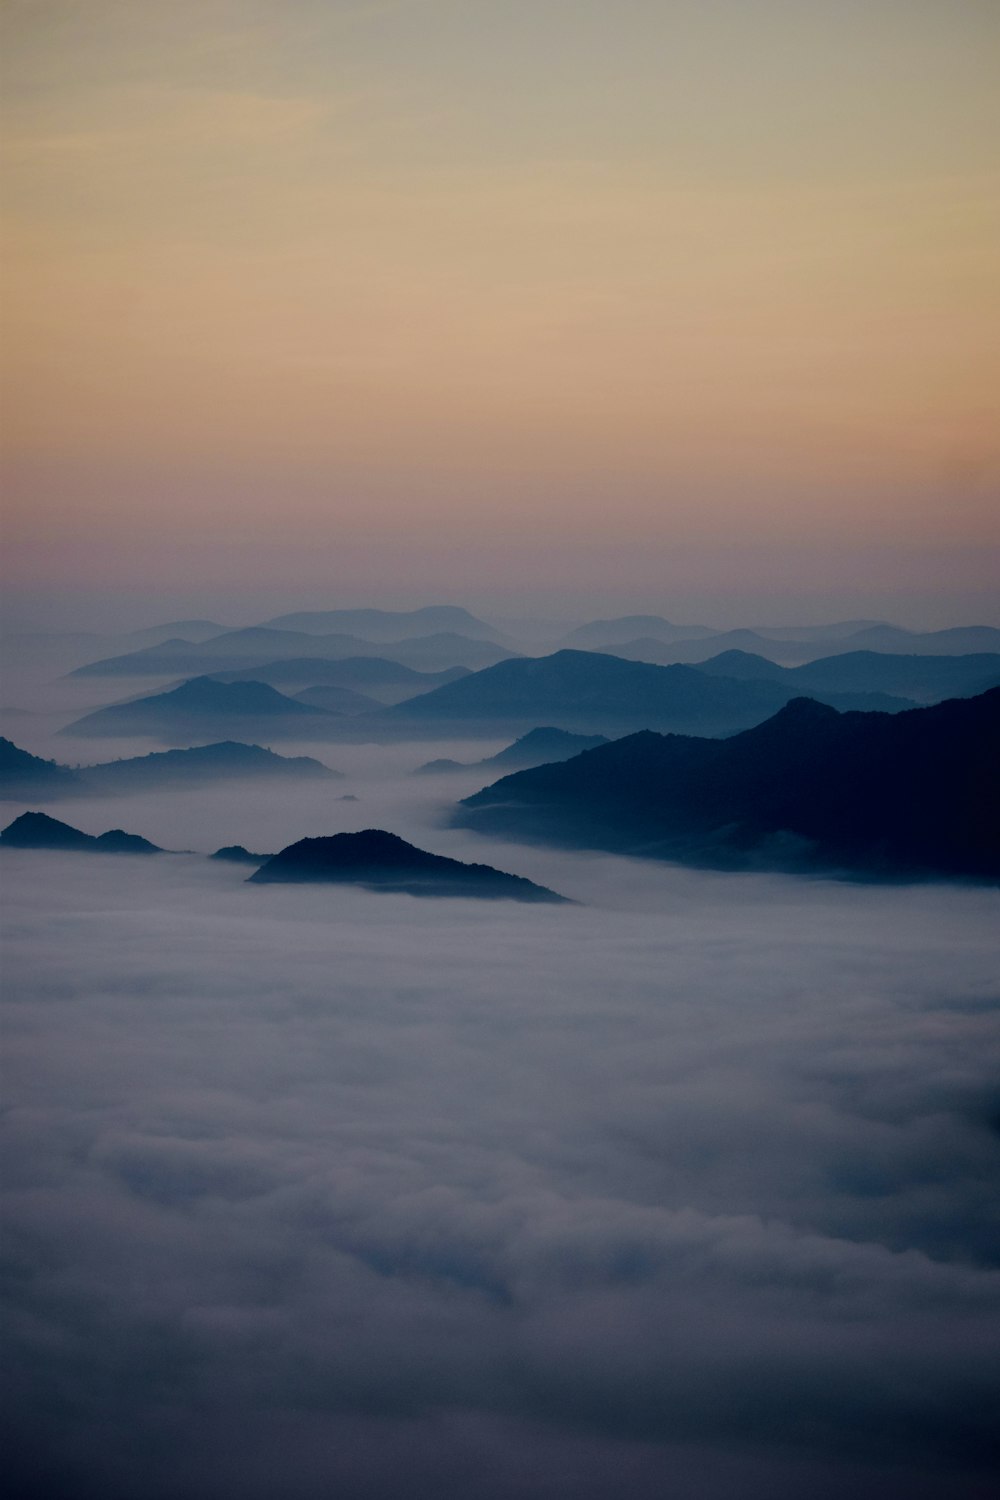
(499, 729)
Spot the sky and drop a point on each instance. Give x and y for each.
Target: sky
(674, 305)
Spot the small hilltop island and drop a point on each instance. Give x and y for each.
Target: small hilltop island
(382, 861)
(36, 830)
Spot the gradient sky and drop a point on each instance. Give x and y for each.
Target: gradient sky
(686, 305)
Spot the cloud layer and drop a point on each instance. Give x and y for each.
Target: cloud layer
(331, 1193)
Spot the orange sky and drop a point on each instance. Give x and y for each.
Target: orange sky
(504, 299)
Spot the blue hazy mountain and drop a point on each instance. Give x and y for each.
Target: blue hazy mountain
(35, 830)
(236, 649)
(384, 862)
(337, 700)
(536, 748)
(925, 679)
(227, 761)
(780, 647)
(599, 633)
(592, 692)
(198, 766)
(374, 674)
(202, 706)
(912, 794)
(388, 624)
(230, 651)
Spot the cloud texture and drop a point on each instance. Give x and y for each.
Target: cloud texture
(321, 1192)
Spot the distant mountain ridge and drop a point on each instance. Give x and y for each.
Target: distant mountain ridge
(236, 649)
(202, 704)
(593, 692)
(23, 775)
(536, 748)
(375, 674)
(781, 647)
(388, 624)
(926, 679)
(914, 794)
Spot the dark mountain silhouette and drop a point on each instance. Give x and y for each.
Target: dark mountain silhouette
(388, 624)
(923, 679)
(376, 675)
(236, 649)
(535, 748)
(35, 830)
(589, 692)
(383, 861)
(337, 700)
(913, 794)
(204, 705)
(240, 856)
(24, 776)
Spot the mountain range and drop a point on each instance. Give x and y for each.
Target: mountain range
(235, 649)
(783, 647)
(24, 776)
(592, 692)
(913, 794)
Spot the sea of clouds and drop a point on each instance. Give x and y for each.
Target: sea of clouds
(689, 1189)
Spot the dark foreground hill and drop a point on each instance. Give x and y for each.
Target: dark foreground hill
(914, 794)
(590, 692)
(536, 748)
(384, 862)
(35, 830)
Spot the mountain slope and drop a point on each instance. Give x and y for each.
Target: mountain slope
(908, 794)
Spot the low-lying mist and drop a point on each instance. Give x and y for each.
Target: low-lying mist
(686, 1190)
